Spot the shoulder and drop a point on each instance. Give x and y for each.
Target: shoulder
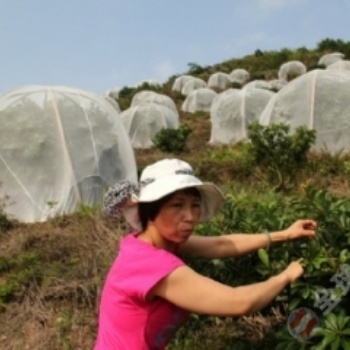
(137, 256)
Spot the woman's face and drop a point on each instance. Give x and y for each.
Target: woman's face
(178, 217)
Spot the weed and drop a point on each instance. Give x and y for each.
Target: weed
(172, 140)
(281, 154)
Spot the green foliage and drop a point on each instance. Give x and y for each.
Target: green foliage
(64, 324)
(17, 273)
(5, 222)
(330, 164)
(322, 259)
(126, 92)
(241, 156)
(236, 85)
(84, 210)
(201, 115)
(195, 69)
(280, 154)
(172, 140)
(7, 290)
(334, 332)
(331, 45)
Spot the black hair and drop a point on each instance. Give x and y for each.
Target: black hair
(149, 210)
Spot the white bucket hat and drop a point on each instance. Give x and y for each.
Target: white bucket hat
(158, 180)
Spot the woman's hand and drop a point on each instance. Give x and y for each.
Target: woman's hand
(293, 271)
(301, 229)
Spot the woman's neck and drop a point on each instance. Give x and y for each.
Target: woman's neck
(151, 236)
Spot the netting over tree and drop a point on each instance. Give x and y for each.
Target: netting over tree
(180, 81)
(193, 84)
(59, 147)
(113, 102)
(147, 96)
(319, 100)
(291, 70)
(341, 64)
(233, 110)
(258, 84)
(113, 93)
(239, 75)
(277, 84)
(144, 121)
(330, 58)
(199, 100)
(219, 80)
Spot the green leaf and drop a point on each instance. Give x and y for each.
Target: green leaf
(294, 303)
(282, 345)
(264, 257)
(342, 321)
(335, 344)
(305, 293)
(328, 339)
(318, 331)
(343, 256)
(345, 342)
(331, 322)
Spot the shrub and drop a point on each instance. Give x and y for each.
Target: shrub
(281, 154)
(5, 222)
(172, 140)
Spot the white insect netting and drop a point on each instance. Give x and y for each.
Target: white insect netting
(193, 84)
(180, 81)
(219, 80)
(320, 100)
(239, 75)
(277, 84)
(59, 147)
(144, 121)
(258, 84)
(199, 100)
(113, 93)
(341, 64)
(330, 58)
(148, 96)
(290, 70)
(113, 102)
(233, 110)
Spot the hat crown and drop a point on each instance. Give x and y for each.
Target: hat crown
(164, 168)
(158, 180)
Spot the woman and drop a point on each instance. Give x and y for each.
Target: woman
(149, 290)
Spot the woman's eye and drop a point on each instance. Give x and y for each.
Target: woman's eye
(177, 204)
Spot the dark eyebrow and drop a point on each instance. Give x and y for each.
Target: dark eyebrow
(184, 196)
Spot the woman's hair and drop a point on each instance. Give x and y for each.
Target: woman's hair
(149, 210)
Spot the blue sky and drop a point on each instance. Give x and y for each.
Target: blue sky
(102, 44)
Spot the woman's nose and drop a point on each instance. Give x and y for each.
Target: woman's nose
(189, 214)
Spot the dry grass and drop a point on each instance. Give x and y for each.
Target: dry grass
(56, 307)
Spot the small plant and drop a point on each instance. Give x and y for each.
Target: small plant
(5, 222)
(172, 140)
(282, 155)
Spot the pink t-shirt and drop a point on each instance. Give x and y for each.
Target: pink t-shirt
(127, 321)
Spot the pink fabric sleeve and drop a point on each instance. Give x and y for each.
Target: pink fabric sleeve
(146, 267)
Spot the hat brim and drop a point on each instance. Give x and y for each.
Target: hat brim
(211, 197)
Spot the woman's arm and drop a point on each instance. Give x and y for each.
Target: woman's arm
(196, 293)
(239, 244)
